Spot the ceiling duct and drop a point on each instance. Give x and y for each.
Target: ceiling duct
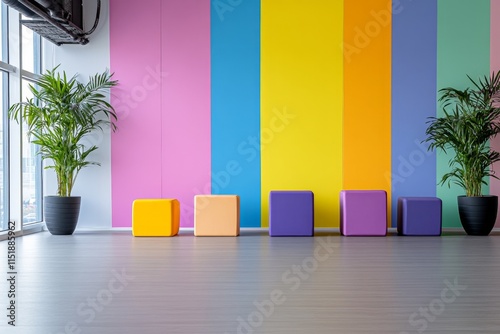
(59, 21)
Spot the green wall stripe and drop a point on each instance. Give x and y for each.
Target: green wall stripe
(463, 48)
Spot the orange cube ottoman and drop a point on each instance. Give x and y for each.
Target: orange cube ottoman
(155, 217)
(216, 215)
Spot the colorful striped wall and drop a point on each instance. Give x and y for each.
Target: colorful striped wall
(247, 96)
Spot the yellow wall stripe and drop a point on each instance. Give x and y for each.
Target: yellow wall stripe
(301, 102)
(367, 95)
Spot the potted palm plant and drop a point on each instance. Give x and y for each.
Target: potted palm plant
(469, 121)
(58, 117)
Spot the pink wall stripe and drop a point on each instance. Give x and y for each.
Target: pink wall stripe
(495, 66)
(186, 146)
(136, 146)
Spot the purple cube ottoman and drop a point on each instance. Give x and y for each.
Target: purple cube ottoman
(291, 213)
(419, 216)
(363, 212)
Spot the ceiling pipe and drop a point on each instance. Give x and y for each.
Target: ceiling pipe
(20, 8)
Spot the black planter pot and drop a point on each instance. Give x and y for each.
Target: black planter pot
(478, 214)
(61, 214)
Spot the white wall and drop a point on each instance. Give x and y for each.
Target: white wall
(94, 182)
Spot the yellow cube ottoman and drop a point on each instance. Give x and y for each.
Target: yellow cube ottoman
(216, 215)
(155, 217)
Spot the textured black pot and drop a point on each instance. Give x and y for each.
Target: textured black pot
(61, 214)
(478, 214)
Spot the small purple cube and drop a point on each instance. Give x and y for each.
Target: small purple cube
(363, 212)
(291, 213)
(419, 216)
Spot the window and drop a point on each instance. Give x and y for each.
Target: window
(3, 30)
(31, 172)
(31, 161)
(4, 135)
(20, 165)
(4, 154)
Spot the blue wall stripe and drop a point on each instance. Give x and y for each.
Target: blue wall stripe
(414, 72)
(235, 100)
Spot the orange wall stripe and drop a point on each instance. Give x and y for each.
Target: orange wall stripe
(367, 95)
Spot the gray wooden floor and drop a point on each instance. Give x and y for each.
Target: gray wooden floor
(103, 283)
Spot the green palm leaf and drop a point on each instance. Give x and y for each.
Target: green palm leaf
(59, 116)
(470, 120)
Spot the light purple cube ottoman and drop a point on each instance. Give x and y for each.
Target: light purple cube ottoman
(363, 212)
(419, 216)
(291, 213)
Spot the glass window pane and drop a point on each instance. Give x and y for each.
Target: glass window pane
(2, 10)
(21, 48)
(28, 59)
(4, 22)
(32, 185)
(4, 181)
